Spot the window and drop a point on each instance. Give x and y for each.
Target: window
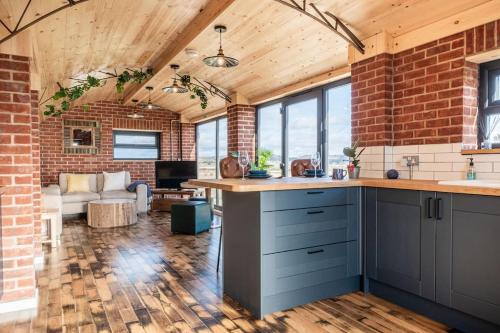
(134, 145)
(295, 127)
(489, 104)
(211, 147)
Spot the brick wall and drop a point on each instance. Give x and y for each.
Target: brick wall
(241, 129)
(17, 272)
(188, 142)
(35, 153)
(432, 87)
(111, 115)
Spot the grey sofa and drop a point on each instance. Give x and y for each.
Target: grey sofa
(76, 202)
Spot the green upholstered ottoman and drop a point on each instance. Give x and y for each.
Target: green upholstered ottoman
(190, 217)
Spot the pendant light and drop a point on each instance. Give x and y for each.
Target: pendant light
(150, 105)
(175, 88)
(135, 115)
(220, 60)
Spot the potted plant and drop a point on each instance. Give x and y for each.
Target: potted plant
(353, 167)
(262, 164)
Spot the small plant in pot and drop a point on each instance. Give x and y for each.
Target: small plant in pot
(260, 168)
(353, 168)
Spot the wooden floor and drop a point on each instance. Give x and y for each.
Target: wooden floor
(144, 279)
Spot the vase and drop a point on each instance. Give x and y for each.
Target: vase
(354, 172)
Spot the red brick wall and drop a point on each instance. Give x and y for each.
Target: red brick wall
(241, 129)
(188, 142)
(35, 153)
(111, 115)
(17, 272)
(432, 87)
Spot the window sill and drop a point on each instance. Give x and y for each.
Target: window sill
(480, 151)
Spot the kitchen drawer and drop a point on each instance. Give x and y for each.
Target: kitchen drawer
(295, 229)
(296, 199)
(293, 270)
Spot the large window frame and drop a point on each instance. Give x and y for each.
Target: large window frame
(487, 106)
(156, 145)
(322, 123)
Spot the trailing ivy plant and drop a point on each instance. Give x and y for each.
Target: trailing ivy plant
(68, 95)
(195, 90)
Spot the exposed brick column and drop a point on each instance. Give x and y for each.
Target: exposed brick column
(372, 100)
(470, 104)
(241, 129)
(188, 135)
(35, 152)
(17, 280)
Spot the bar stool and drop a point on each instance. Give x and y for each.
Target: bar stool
(52, 215)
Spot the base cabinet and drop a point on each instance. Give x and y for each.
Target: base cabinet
(439, 246)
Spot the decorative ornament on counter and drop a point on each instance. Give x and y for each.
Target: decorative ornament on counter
(392, 174)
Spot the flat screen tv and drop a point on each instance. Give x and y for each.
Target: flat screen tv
(170, 174)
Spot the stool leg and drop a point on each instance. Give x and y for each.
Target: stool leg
(220, 244)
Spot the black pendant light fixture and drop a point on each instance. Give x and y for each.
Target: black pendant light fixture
(175, 88)
(220, 60)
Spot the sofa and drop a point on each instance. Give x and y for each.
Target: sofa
(76, 202)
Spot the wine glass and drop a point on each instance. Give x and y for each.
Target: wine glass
(243, 161)
(315, 161)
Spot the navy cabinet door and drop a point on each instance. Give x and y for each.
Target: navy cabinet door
(400, 241)
(468, 257)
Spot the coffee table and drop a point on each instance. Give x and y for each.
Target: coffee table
(108, 213)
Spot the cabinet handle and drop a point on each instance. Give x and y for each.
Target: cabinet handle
(315, 251)
(428, 207)
(315, 192)
(439, 209)
(315, 212)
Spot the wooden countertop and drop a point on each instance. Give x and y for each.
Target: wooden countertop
(297, 183)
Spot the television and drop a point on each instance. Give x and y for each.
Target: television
(170, 174)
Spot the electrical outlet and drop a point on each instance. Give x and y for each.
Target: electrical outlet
(409, 161)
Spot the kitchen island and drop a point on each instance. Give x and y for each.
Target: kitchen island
(430, 247)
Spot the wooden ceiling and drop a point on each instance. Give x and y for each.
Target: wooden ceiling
(276, 45)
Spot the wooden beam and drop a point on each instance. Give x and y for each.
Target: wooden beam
(385, 43)
(204, 19)
(309, 83)
(484, 56)
(209, 115)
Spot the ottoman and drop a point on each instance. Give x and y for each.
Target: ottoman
(190, 217)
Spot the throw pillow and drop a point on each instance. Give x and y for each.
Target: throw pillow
(78, 183)
(114, 181)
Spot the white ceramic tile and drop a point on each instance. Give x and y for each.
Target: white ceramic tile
(486, 158)
(413, 149)
(377, 166)
(449, 157)
(435, 167)
(496, 167)
(372, 158)
(423, 175)
(456, 147)
(488, 175)
(449, 175)
(460, 167)
(371, 174)
(426, 158)
(438, 148)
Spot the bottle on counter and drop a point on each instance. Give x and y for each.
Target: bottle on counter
(471, 171)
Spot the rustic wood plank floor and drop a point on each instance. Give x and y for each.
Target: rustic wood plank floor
(144, 279)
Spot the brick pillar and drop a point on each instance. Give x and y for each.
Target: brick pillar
(35, 153)
(470, 105)
(241, 129)
(17, 280)
(188, 134)
(372, 102)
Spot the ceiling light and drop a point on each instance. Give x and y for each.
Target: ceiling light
(135, 115)
(220, 60)
(150, 105)
(192, 53)
(175, 88)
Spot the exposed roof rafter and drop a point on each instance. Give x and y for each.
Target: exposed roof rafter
(337, 26)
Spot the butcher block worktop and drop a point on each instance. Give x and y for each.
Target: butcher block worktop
(298, 183)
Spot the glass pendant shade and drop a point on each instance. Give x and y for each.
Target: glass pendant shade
(175, 89)
(220, 60)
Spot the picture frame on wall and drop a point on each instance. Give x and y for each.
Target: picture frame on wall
(81, 137)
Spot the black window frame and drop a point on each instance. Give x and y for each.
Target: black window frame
(157, 144)
(322, 118)
(486, 107)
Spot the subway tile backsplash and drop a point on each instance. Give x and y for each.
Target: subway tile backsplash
(437, 161)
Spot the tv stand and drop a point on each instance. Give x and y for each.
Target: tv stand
(163, 198)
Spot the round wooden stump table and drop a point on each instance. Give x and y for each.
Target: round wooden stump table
(109, 213)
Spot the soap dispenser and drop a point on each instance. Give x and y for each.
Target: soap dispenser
(471, 172)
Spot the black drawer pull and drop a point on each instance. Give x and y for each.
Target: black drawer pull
(429, 209)
(315, 192)
(439, 209)
(315, 212)
(315, 251)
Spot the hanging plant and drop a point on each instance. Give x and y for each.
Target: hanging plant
(67, 96)
(196, 90)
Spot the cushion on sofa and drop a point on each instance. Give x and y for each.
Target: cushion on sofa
(100, 181)
(118, 195)
(63, 182)
(78, 183)
(80, 196)
(114, 181)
